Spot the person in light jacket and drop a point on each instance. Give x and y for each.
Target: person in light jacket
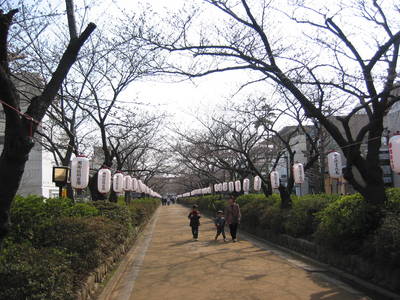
(232, 217)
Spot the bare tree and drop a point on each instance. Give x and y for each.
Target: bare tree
(332, 59)
(131, 144)
(20, 126)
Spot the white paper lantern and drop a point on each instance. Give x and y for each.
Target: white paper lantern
(104, 180)
(127, 183)
(118, 183)
(298, 173)
(274, 176)
(246, 185)
(231, 186)
(394, 151)
(80, 172)
(257, 183)
(238, 186)
(134, 185)
(335, 164)
(219, 187)
(140, 187)
(225, 187)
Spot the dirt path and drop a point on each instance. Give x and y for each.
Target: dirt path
(166, 264)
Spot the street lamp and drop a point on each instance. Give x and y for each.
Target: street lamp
(60, 178)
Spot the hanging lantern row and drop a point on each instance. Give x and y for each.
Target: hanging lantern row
(120, 183)
(334, 170)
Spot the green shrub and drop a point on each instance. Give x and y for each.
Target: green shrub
(82, 210)
(242, 200)
(114, 212)
(344, 223)
(87, 241)
(386, 240)
(393, 203)
(29, 273)
(30, 213)
(273, 218)
(301, 220)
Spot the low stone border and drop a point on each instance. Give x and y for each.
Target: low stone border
(92, 283)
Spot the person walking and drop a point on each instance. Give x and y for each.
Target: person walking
(220, 225)
(194, 217)
(232, 217)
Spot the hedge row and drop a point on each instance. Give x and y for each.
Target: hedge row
(338, 223)
(54, 244)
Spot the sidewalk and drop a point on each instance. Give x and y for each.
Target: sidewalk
(166, 264)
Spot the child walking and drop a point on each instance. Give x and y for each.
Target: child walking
(220, 225)
(194, 218)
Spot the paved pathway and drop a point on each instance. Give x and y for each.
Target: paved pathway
(166, 264)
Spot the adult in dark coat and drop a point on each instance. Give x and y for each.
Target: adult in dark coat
(232, 217)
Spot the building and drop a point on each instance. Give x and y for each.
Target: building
(302, 147)
(37, 178)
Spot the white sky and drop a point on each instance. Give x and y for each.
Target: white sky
(185, 99)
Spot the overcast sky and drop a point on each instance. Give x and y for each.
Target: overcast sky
(182, 99)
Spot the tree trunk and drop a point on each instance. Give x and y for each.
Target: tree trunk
(266, 188)
(286, 191)
(70, 192)
(286, 200)
(94, 192)
(128, 197)
(113, 196)
(12, 165)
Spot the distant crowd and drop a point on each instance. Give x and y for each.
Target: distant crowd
(168, 200)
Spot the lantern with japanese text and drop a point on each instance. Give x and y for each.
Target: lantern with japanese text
(219, 187)
(246, 185)
(80, 172)
(335, 164)
(394, 151)
(104, 180)
(238, 186)
(257, 183)
(225, 187)
(274, 176)
(118, 182)
(298, 173)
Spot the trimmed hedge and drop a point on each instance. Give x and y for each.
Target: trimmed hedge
(54, 244)
(340, 223)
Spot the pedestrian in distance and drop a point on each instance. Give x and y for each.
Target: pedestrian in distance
(232, 217)
(220, 225)
(194, 217)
